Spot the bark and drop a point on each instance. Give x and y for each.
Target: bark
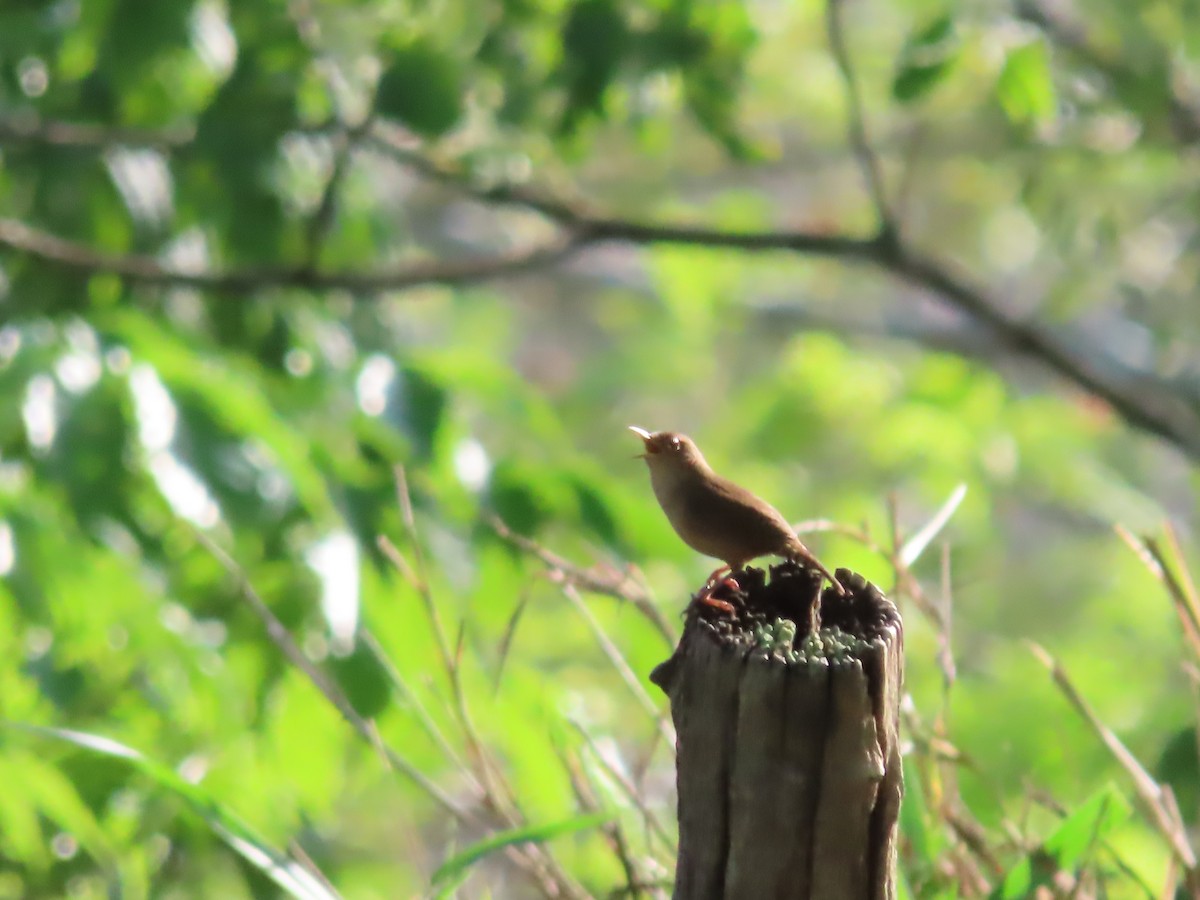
(788, 763)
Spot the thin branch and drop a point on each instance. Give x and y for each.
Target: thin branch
(1069, 30)
(39, 132)
(283, 639)
(906, 582)
(857, 124)
(423, 716)
(1184, 601)
(1176, 422)
(146, 270)
(322, 219)
(588, 802)
(1159, 412)
(629, 789)
(495, 790)
(593, 580)
(618, 661)
(1155, 798)
(536, 859)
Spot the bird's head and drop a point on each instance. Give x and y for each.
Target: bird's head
(669, 451)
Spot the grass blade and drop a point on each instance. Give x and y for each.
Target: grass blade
(916, 544)
(1150, 792)
(276, 865)
(530, 834)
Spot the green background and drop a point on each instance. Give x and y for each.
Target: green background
(257, 258)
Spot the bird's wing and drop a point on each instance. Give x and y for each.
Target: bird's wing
(722, 517)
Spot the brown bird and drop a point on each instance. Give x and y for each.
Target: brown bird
(713, 515)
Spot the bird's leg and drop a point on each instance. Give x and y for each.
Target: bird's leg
(712, 578)
(706, 593)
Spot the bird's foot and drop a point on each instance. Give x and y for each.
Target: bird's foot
(706, 594)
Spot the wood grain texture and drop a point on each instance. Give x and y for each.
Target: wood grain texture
(789, 769)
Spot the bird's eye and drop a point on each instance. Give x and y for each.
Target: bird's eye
(676, 444)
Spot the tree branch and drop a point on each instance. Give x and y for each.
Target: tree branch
(1171, 418)
(868, 161)
(1067, 29)
(34, 130)
(346, 142)
(143, 269)
(1160, 411)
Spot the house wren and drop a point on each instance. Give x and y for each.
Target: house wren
(715, 516)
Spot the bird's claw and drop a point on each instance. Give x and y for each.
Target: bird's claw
(726, 608)
(706, 594)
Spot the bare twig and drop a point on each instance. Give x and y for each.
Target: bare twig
(418, 570)
(974, 838)
(283, 639)
(609, 583)
(1179, 588)
(1155, 800)
(506, 641)
(428, 724)
(37, 131)
(906, 582)
(945, 633)
(620, 664)
(857, 119)
(1187, 584)
(587, 800)
(653, 825)
(495, 788)
(534, 858)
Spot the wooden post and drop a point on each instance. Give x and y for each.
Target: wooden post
(788, 763)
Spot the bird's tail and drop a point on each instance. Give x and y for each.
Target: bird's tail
(797, 550)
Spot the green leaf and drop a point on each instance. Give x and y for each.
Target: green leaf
(1179, 766)
(363, 680)
(1025, 88)
(422, 88)
(240, 838)
(230, 392)
(91, 453)
(1099, 816)
(595, 39)
(926, 58)
(530, 834)
(1069, 847)
(526, 495)
(422, 403)
(594, 509)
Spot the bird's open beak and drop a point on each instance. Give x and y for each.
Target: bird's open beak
(645, 436)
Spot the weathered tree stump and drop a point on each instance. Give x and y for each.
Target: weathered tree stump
(788, 763)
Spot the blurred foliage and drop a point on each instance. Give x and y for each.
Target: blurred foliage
(1051, 158)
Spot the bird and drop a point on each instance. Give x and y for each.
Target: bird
(714, 516)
